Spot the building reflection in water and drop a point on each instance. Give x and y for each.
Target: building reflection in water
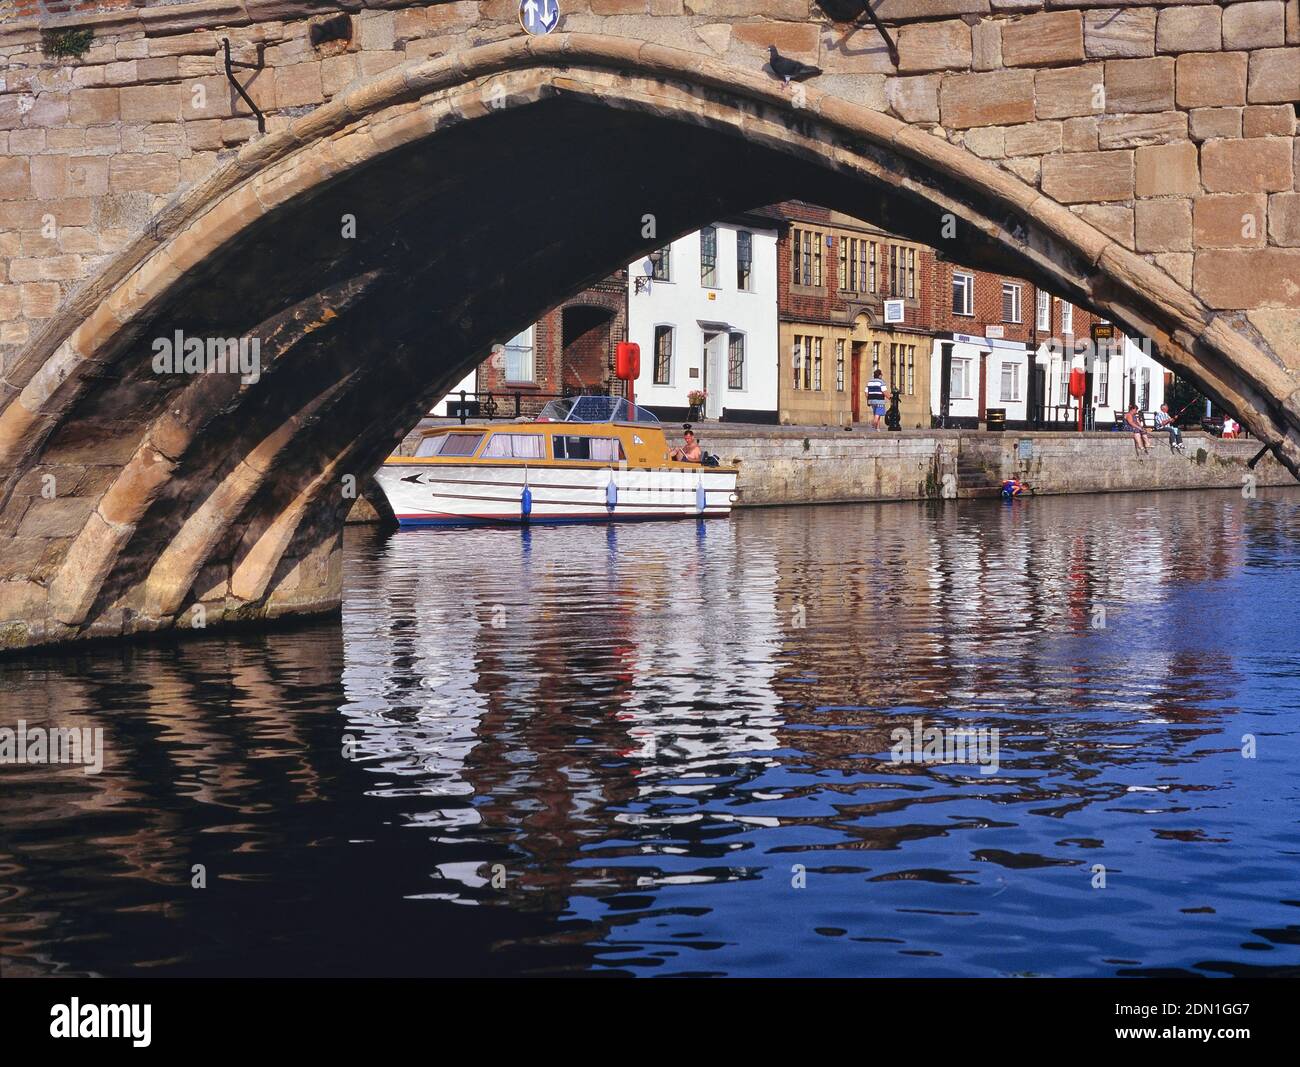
(591, 730)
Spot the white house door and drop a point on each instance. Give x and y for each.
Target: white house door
(715, 345)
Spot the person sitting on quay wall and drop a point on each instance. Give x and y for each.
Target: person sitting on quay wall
(1133, 423)
(1165, 424)
(689, 451)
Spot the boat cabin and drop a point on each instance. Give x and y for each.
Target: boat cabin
(595, 431)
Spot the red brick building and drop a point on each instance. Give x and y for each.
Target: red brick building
(993, 338)
(570, 349)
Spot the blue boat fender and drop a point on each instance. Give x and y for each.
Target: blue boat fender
(701, 497)
(611, 494)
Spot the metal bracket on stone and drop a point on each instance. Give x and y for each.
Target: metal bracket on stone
(852, 11)
(230, 77)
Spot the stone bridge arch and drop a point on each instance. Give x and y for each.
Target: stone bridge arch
(177, 492)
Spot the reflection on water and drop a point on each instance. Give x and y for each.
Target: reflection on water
(666, 750)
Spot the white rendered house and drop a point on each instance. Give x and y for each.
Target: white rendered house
(703, 310)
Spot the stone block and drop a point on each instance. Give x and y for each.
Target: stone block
(1274, 76)
(1268, 120)
(1139, 85)
(1163, 225)
(931, 46)
(150, 103)
(1284, 219)
(1167, 170)
(1048, 39)
(1254, 165)
(1205, 123)
(1120, 33)
(1248, 278)
(914, 99)
(1089, 177)
(1255, 24)
(1189, 29)
(1069, 92)
(1133, 131)
(998, 98)
(92, 107)
(1230, 220)
(1211, 79)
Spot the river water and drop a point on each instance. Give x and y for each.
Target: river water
(671, 749)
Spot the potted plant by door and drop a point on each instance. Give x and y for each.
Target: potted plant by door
(696, 398)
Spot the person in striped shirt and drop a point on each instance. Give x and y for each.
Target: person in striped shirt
(876, 398)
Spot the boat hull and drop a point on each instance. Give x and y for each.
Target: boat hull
(447, 494)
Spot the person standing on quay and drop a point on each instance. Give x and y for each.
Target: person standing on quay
(876, 398)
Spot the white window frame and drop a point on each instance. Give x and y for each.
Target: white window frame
(962, 362)
(1044, 310)
(530, 347)
(969, 290)
(654, 352)
(1015, 291)
(744, 362)
(1067, 317)
(1014, 398)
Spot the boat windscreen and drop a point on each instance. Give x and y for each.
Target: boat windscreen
(594, 409)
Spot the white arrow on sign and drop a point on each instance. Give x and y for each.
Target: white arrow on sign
(540, 18)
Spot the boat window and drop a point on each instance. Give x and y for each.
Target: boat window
(598, 449)
(514, 446)
(459, 444)
(429, 446)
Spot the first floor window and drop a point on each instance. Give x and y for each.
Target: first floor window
(744, 259)
(1010, 302)
(736, 361)
(662, 263)
(911, 273)
(709, 257)
(1010, 381)
(817, 364)
(963, 293)
(1044, 304)
(1067, 317)
(959, 380)
(519, 357)
(663, 354)
(839, 365)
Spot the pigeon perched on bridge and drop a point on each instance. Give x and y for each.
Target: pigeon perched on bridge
(788, 69)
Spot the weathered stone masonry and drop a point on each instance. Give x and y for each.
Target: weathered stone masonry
(1139, 159)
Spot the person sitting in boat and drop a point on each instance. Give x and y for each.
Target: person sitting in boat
(1013, 486)
(689, 452)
